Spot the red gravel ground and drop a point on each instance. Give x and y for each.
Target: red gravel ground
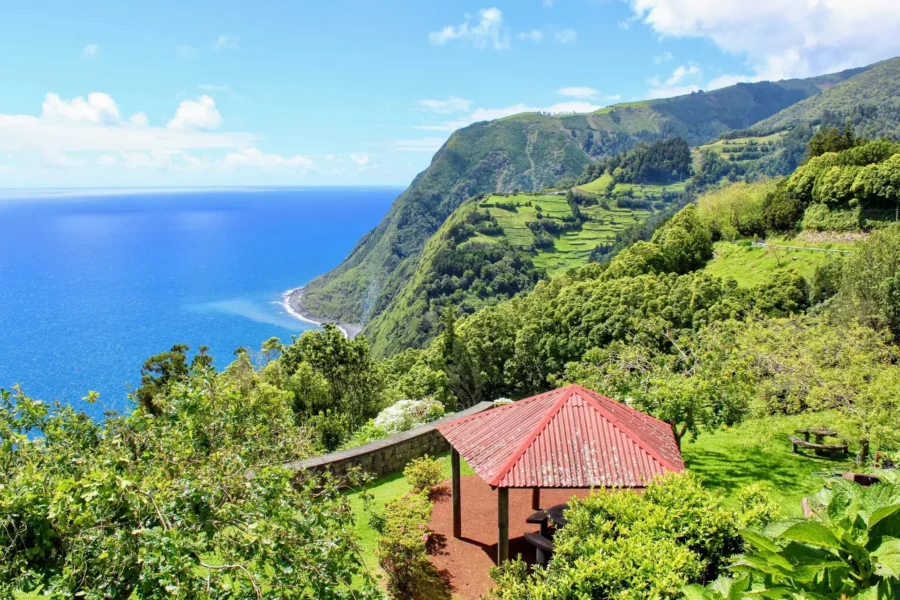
(466, 562)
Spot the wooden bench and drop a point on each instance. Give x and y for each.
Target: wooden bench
(542, 546)
(819, 448)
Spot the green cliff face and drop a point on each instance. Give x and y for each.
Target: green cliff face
(526, 152)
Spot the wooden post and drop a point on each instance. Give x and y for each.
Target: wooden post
(536, 498)
(502, 525)
(454, 485)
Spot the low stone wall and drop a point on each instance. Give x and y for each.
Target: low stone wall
(389, 455)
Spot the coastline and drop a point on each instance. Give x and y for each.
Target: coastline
(291, 300)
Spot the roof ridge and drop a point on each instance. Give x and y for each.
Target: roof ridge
(494, 410)
(564, 396)
(630, 433)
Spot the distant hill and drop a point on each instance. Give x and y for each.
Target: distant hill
(869, 99)
(529, 152)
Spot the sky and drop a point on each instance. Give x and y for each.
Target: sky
(347, 92)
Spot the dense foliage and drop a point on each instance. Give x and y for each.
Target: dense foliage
(665, 161)
(850, 549)
(622, 545)
(186, 501)
(402, 549)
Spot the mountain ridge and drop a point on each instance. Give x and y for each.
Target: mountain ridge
(530, 151)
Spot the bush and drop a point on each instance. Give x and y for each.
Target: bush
(402, 550)
(819, 217)
(782, 293)
(615, 539)
(848, 550)
(403, 415)
(423, 473)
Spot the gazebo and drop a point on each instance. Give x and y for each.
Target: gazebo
(570, 437)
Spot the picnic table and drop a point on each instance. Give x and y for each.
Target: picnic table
(543, 541)
(819, 432)
(820, 447)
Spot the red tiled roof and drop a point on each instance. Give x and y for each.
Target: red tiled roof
(567, 438)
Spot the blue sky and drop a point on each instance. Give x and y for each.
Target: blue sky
(106, 94)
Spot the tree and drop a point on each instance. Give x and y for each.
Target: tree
(184, 498)
(870, 286)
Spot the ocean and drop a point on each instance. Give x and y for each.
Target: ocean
(93, 283)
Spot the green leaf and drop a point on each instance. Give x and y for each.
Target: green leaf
(888, 558)
(698, 592)
(814, 533)
(760, 541)
(880, 514)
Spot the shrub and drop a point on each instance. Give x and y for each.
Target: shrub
(849, 550)
(402, 549)
(615, 539)
(423, 473)
(782, 293)
(757, 507)
(819, 217)
(403, 415)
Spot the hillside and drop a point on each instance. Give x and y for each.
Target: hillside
(871, 100)
(527, 152)
(494, 247)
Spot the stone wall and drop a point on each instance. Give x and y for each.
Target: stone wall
(389, 455)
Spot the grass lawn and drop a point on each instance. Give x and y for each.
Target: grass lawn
(760, 451)
(382, 490)
(749, 266)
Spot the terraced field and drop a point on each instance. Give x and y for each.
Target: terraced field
(740, 149)
(654, 192)
(571, 248)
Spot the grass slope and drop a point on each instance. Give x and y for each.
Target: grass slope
(871, 99)
(759, 451)
(749, 266)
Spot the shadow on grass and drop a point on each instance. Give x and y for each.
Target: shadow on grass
(725, 465)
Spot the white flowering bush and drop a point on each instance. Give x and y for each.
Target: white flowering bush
(406, 414)
(399, 416)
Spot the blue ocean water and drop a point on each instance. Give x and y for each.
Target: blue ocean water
(92, 284)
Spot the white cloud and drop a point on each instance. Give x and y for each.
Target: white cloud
(672, 91)
(253, 157)
(679, 74)
(451, 104)
(726, 80)
(566, 36)
(783, 39)
(486, 32)
(90, 51)
(227, 41)
(98, 108)
(95, 125)
(86, 141)
(664, 57)
(577, 92)
(199, 114)
(139, 119)
(425, 144)
(535, 35)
